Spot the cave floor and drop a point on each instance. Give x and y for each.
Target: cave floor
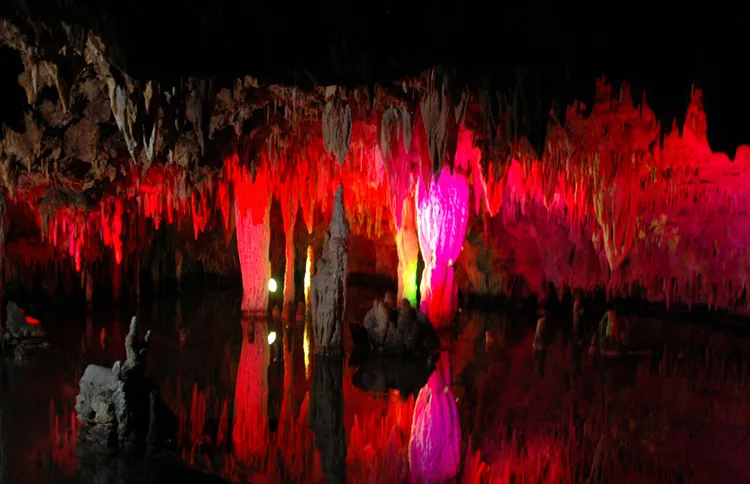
(677, 411)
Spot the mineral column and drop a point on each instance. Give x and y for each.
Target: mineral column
(253, 237)
(328, 298)
(442, 215)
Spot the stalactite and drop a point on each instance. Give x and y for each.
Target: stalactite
(328, 295)
(442, 216)
(289, 206)
(337, 124)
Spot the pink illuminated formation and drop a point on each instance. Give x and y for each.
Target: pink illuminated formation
(435, 444)
(442, 215)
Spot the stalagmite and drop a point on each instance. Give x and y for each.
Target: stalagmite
(253, 238)
(328, 298)
(435, 443)
(121, 407)
(442, 215)
(407, 245)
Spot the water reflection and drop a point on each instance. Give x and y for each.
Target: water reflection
(435, 444)
(249, 411)
(327, 417)
(250, 430)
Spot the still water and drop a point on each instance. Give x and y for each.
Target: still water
(250, 411)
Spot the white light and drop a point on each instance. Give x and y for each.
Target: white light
(272, 286)
(271, 336)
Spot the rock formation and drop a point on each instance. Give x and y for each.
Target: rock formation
(396, 331)
(100, 159)
(120, 407)
(22, 334)
(328, 298)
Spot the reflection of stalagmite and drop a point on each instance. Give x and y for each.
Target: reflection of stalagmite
(329, 283)
(253, 237)
(326, 417)
(442, 215)
(2, 256)
(249, 434)
(407, 245)
(435, 444)
(3, 457)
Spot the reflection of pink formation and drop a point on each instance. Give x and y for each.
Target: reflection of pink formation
(249, 433)
(253, 237)
(435, 444)
(442, 215)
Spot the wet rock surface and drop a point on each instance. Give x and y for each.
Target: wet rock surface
(22, 339)
(396, 331)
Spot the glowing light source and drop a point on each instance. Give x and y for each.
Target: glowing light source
(308, 270)
(407, 245)
(306, 350)
(272, 286)
(32, 321)
(271, 335)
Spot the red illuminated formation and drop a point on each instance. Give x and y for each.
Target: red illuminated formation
(108, 166)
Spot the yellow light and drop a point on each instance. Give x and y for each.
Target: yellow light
(306, 351)
(308, 269)
(271, 336)
(272, 286)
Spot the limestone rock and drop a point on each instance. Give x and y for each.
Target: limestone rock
(328, 289)
(120, 407)
(398, 331)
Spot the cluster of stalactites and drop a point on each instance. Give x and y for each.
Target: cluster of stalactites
(117, 221)
(604, 172)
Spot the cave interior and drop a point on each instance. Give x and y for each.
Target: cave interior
(278, 168)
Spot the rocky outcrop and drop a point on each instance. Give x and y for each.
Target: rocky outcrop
(328, 287)
(397, 331)
(23, 335)
(120, 407)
